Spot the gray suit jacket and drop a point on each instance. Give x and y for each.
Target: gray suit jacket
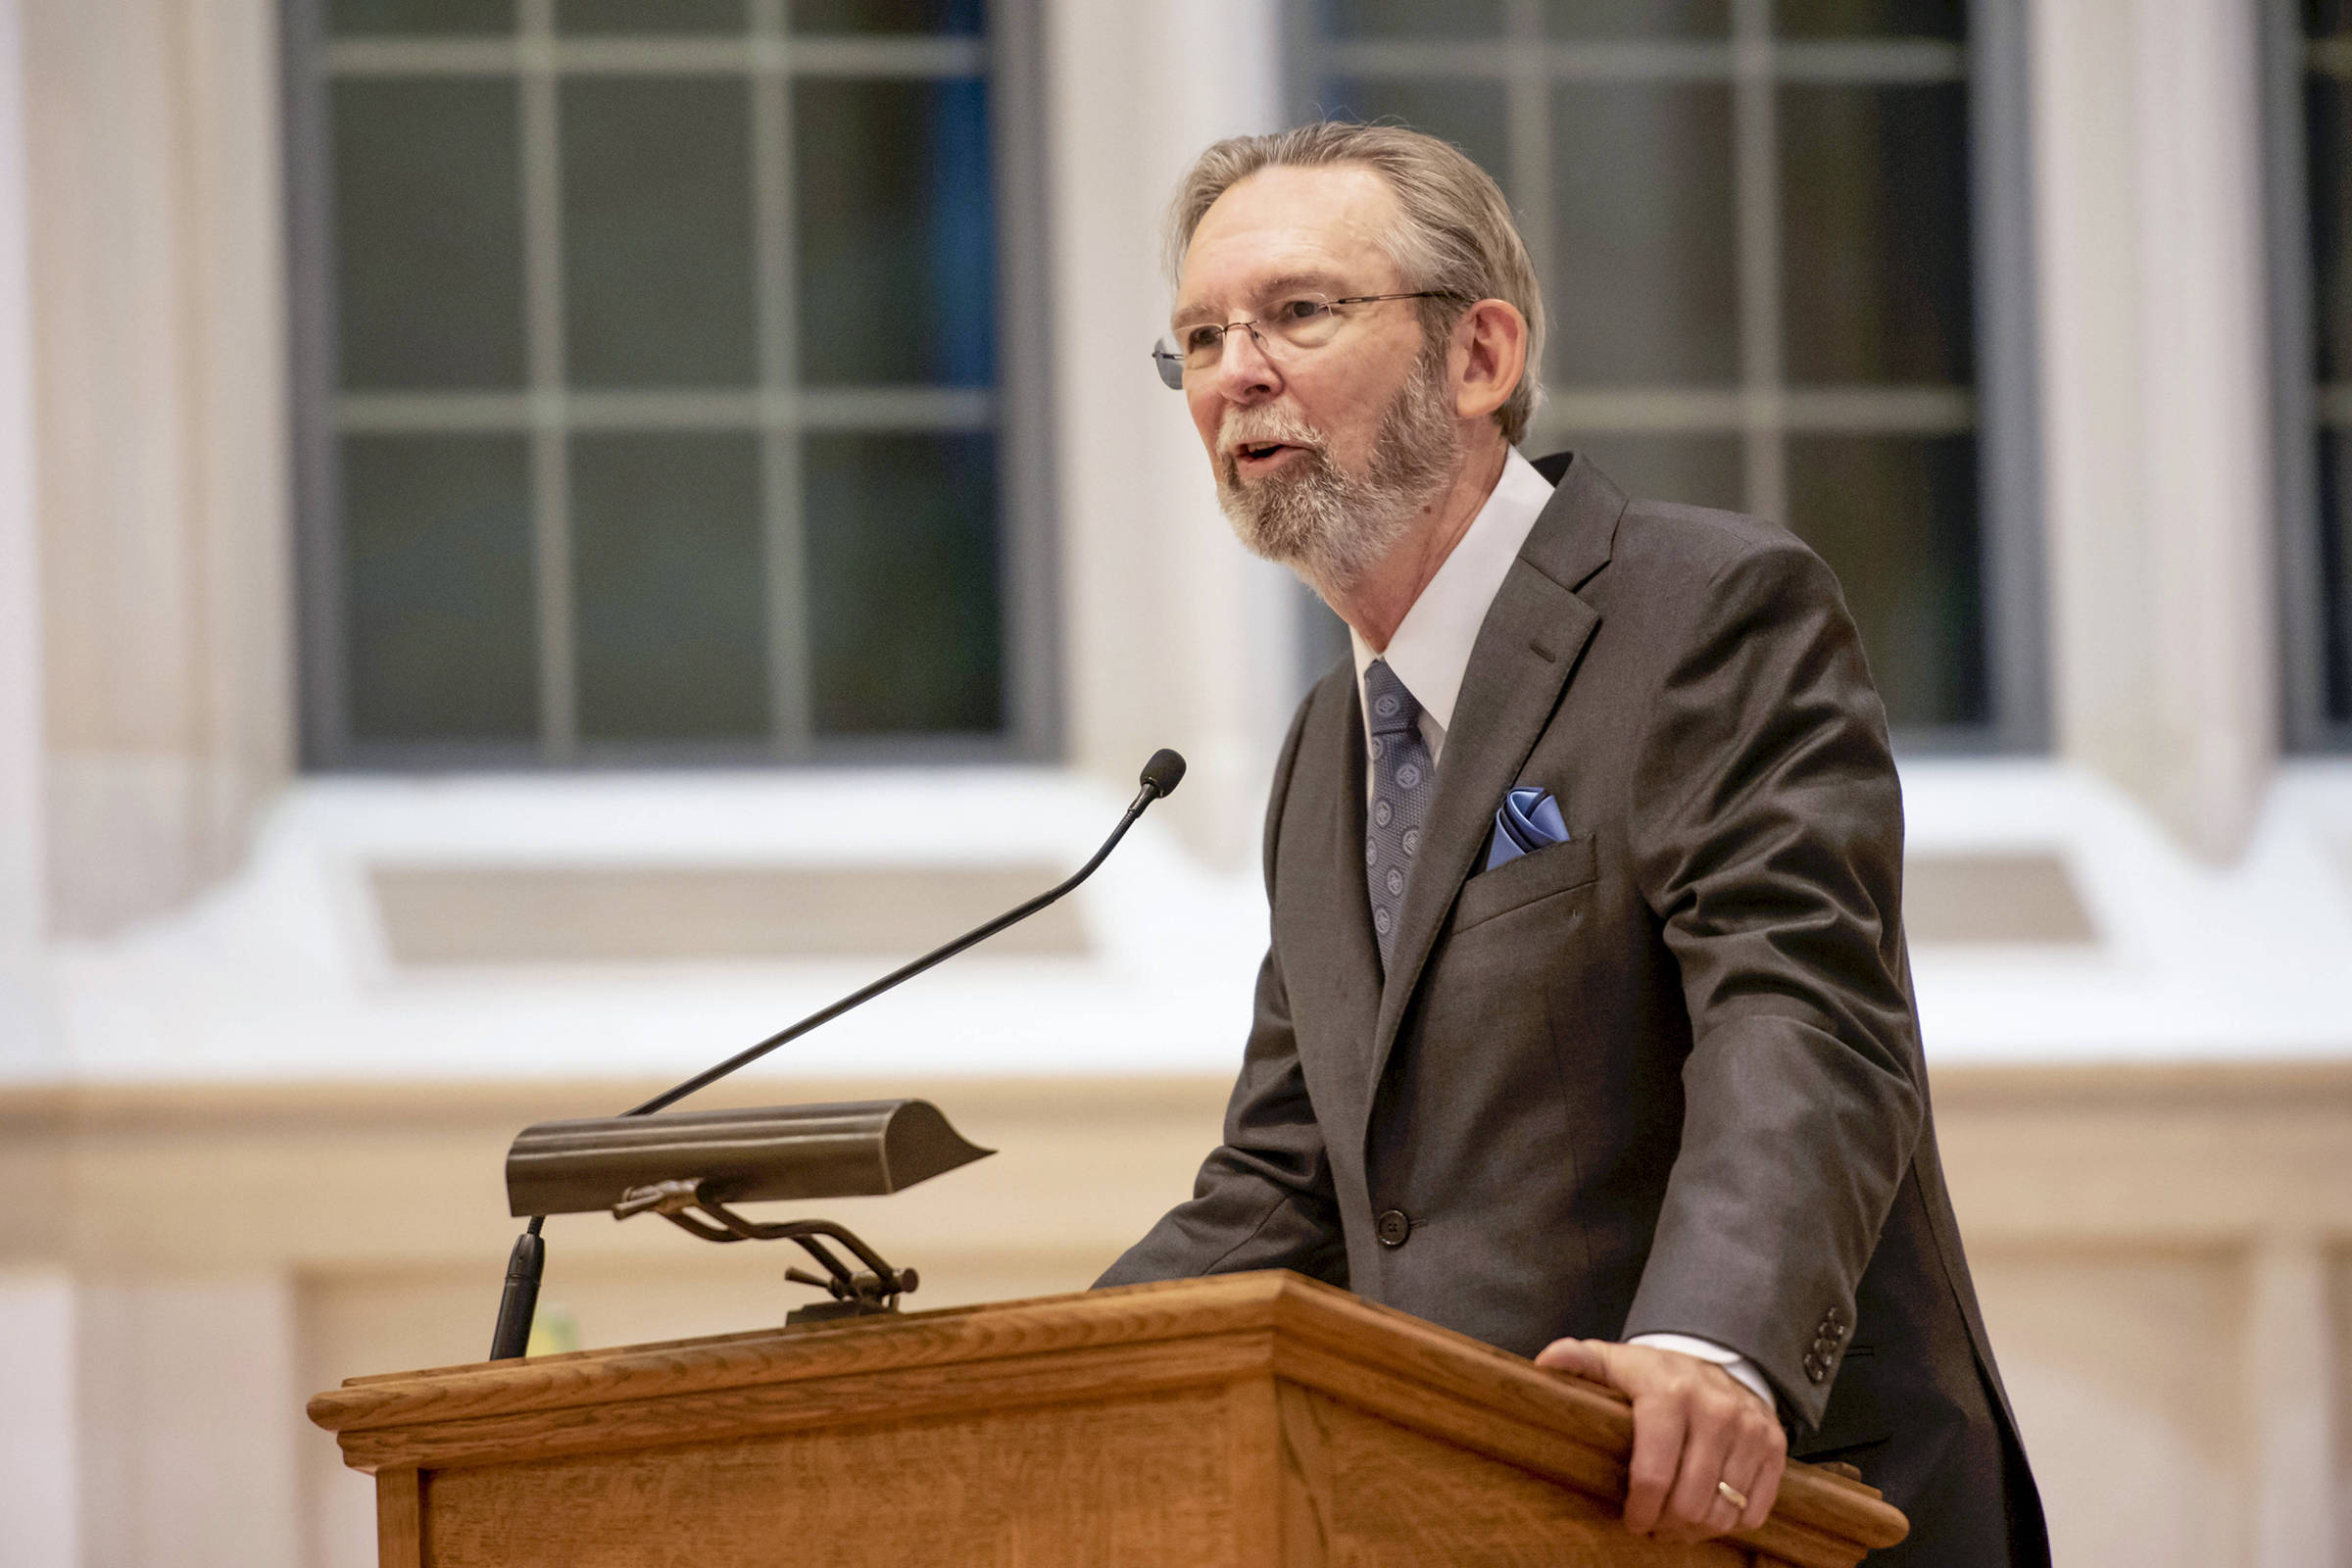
(1664, 1076)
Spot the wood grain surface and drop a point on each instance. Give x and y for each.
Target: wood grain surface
(399, 1524)
(1381, 1495)
(1309, 1392)
(1141, 1480)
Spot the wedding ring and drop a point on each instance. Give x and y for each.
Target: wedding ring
(1731, 1494)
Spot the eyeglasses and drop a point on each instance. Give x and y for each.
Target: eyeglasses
(1303, 322)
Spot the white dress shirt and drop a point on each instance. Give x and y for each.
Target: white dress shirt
(1428, 654)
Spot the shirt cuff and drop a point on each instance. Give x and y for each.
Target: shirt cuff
(1732, 1362)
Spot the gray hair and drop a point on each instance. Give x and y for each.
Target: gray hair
(1456, 232)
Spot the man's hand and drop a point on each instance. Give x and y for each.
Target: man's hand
(1694, 1425)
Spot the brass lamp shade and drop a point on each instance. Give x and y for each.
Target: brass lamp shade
(853, 1149)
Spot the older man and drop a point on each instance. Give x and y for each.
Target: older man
(1587, 1024)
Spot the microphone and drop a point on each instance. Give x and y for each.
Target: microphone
(518, 1302)
(1162, 774)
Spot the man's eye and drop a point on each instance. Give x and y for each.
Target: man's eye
(1301, 310)
(1201, 339)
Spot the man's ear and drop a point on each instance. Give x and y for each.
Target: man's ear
(1489, 357)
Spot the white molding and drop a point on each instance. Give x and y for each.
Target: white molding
(283, 975)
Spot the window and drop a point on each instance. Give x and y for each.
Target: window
(665, 380)
(1783, 243)
(2312, 163)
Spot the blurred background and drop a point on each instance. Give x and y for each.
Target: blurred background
(542, 539)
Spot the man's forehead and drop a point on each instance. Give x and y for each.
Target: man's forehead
(1289, 227)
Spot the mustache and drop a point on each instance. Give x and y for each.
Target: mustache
(1256, 426)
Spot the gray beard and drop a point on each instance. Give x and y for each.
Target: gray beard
(1329, 526)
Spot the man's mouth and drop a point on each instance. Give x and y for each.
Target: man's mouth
(1252, 455)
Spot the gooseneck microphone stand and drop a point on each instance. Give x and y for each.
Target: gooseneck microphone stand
(518, 1302)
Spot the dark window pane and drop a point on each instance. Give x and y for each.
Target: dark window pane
(441, 626)
(428, 234)
(1882, 19)
(2327, 148)
(897, 232)
(658, 233)
(1642, 288)
(1702, 470)
(886, 15)
(2335, 571)
(1468, 114)
(666, 577)
(1895, 517)
(1637, 18)
(1389, 18)
(904, 600)
(353, 18)
(1875, 216)
(649, 16)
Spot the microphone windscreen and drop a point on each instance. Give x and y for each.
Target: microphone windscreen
(1164, 772)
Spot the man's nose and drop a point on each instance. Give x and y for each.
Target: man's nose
(1244, 371)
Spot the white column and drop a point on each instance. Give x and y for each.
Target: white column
(26, 1042)
(1172, 635)
(39, 1522)
(2148, 203)
(156, 174)
(2290, 1391)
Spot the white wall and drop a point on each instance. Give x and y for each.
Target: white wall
(190, 1416)
(25, 1043)
(40, 1454)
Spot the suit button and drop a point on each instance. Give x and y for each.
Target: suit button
(1816, 1368)
(1393, 1227)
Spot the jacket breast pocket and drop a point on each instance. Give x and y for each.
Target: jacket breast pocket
(1537, 874)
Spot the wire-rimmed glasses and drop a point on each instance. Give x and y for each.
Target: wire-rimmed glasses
(1294, 322)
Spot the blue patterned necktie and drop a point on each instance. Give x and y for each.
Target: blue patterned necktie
(1402, 781)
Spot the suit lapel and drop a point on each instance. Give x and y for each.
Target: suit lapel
(1329, 957)
(1520, 665)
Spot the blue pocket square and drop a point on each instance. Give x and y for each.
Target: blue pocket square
(1528, 819)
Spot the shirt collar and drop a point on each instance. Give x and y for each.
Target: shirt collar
(1431, 650)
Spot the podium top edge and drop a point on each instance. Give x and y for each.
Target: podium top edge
(1272, 1323)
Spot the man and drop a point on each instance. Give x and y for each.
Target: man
(1587, 1026)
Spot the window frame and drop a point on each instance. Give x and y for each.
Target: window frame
(2301, 589)
(2007, 413)
(1020, 407)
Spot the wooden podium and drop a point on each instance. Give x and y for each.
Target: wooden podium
(1259, 1419)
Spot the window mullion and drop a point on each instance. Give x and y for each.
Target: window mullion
(543, 292)
(1756, 199)
(1527, 86)
(781, 522)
